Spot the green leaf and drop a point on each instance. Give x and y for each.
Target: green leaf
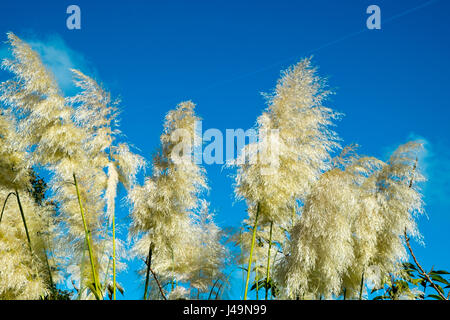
(120, 288)
(408, 265)
(438, 278)
(375, 289)
(439, 288)
(435, 296)
(439, 272)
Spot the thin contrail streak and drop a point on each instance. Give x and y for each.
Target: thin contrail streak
(326, 45)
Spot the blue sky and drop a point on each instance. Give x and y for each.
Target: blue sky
(391, 84)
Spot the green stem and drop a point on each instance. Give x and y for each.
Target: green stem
(105, 279)
(87, 233)
(241, 242)
(4, 205)
(23, 219)
(147, 276)
(22, 214)
(257, 281)
(52, 284)
(82, 270)
(212, 288)
(251, 252)
(114, 254)
(50, 277)
(268, 260)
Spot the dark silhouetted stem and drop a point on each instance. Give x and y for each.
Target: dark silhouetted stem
(147, 275)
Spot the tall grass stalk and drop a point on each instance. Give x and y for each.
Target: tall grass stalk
(22, 214)
(23, 219)
(147, 275)
(49, 269)
(158, 283)
(82, 268)
(268, 260)
(97, 292)
(362, 285)
(105, 279)
(212, 288)
(222, 286)
(257, 281)
(251, 252)
(114, 253)
(4, 205)
(242, 255)
(114, 242)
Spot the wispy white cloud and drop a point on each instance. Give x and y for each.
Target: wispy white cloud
(59, 58)
(435, 165)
